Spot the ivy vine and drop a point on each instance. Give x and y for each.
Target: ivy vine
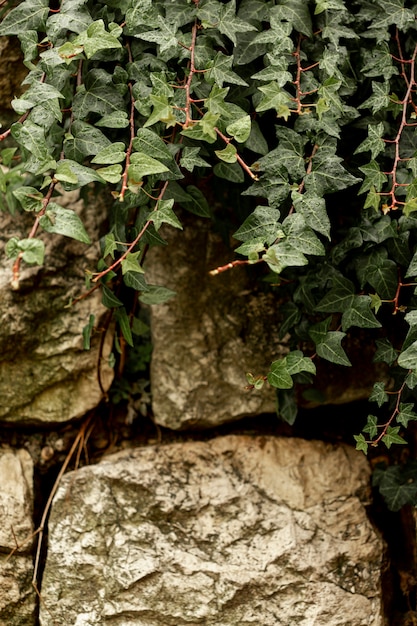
(307, 107)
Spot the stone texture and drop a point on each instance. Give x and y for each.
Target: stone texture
(12, 73)
(252, 531)
(17, 596)
(45, 375)
(205, 339)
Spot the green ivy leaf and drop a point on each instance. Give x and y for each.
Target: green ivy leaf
(360, 314)
(220, 71)
(371, 426)
(122, 319)
(297, 362)
(286, 405)
(143, 165)
(190, 158)
(240, 129)
(96, 38)
(279, 376)
(198, 204)
(108, 298)
(361, 443)
(131, 263)
(330, 348)
(408, 358)
(28, 15)
(228, 154)
(165, 215)
(229, 25)
(112, 173)
(339, 298)
(32, 250)
(263, 224)
(156, 295)
(29, 198)
(378, 394)
(398, 485)
(87, 331)
(115, 153)
(406, 414)
(392, 436)
(63, 222)
(385, 353)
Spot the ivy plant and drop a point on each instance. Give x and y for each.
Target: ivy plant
(306, 107)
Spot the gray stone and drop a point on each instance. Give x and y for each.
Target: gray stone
(205, 339)
(45, 374)
(17, 596)
(236, 530)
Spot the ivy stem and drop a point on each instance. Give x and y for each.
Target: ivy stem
(130, 247)
(411, 84)
(233, 264)
(395, 412)
(132, 134)
(187, 87)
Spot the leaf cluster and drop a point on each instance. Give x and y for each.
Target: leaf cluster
(306, 107)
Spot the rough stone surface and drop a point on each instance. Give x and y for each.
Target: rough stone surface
(205, 339)
(45, 375)
(17, 596)
(12, 73)
(237, 530)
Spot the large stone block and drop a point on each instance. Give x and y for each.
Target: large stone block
(45, 375)
(236, 530)
(17, 596)
(205, 339)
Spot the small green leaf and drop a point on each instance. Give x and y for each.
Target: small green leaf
(359, 314)
(286, 405)
(361, 443)
(108, 299)
(240, 129)
(96, 38)
(62, 221)
(371, 426)
(144, 165)
(408, 358)
(87, 330)
(198, 205)
(385, 353)
(296, 362)
(115, 153)
(111, 173)
(406, 414)
(378, 394)
(29, 197)
(278, 376)
(228, 154)
(330, 348)
(156, 295)
(131, 263)
(124, 323)
(392, 436)
(135, 281)
(165, 215)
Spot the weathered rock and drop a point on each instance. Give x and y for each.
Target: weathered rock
(12, 73)
(45, 375)
(17, 596)
(237, 530)
(205, 339)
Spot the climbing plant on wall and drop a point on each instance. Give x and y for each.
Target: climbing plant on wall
(307, 107)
